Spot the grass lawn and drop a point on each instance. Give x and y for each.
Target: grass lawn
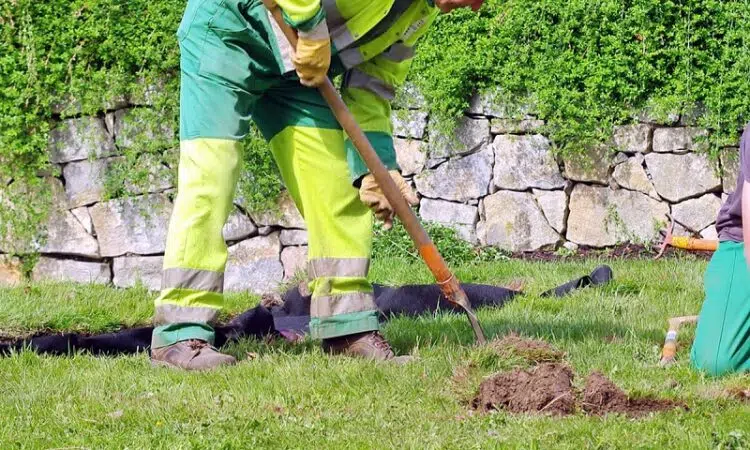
(295, 397)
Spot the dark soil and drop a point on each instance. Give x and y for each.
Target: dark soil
(601, 396)
(624, 251)
(548, 389)
(530, 349)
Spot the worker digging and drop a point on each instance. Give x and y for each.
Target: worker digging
(238, 66)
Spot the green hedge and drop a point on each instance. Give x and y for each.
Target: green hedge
(588, 64)
(584, 64)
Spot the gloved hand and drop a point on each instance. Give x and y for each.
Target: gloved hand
(372, 196)
(313, 55)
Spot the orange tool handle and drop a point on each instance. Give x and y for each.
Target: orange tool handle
(689, 243)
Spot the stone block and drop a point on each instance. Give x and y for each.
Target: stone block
(136, 225)
(459, 179)
(84, 218)
(730, 166)
(602, 217)
(286, 215)
(460, 217)
(471, 135)
(554, 205)
(293, 237)
(294, 260)
(678, 177)
(710, 233)
(65, 235)
(10, 271)
(525, 162)
(409, 124)
(410, 155)
(253, 265)
(631, 175)
(515, 126)
(140, 125)
(52, 269)
(593, 166)
(129, 270)
(238, 226)
(633, 138)
(79, 139)
(152, 175)
(513, 221)
(697, 213)
(84, 181)
(410, 97)
(678, 140)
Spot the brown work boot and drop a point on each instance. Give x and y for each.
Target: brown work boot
(190, 355)
(369, 345)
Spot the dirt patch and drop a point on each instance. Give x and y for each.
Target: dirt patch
(548, 389)
(530, 349)
(601, 396)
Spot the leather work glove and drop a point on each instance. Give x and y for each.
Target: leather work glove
(313, 55)
(372, 196)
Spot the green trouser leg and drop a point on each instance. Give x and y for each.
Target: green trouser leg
(215, 104)
(196, 254)
(314, 167)
(722, 339)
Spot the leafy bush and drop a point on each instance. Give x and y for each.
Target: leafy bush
(587, 64)
(397, 243)
(583, 64)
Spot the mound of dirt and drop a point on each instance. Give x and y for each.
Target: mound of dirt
(530, 349)
(601, 396)
(548, 389)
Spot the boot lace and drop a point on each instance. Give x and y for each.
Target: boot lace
(380, 343)
(195, 344)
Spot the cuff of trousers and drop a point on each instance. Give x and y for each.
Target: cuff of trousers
(305, 25)
(344, 324)
(166, 335)
(383, 145)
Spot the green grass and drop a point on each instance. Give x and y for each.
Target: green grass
(296, 397)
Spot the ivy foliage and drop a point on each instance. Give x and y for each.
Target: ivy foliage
(65, 59)
(584, 65)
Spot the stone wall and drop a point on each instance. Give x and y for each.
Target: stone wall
(496, 181)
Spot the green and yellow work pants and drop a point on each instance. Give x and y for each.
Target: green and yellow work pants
(722, 339)
(233, 71)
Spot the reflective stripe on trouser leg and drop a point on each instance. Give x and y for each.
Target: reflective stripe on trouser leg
(196, 254)
(313, 164)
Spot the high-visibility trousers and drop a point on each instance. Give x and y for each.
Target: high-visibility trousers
(232, 73)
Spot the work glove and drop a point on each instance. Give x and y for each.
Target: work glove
(372, 196)
(313, 55)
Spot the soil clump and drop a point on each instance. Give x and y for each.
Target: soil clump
(548, 389)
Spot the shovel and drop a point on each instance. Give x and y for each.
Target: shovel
(448, 283)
